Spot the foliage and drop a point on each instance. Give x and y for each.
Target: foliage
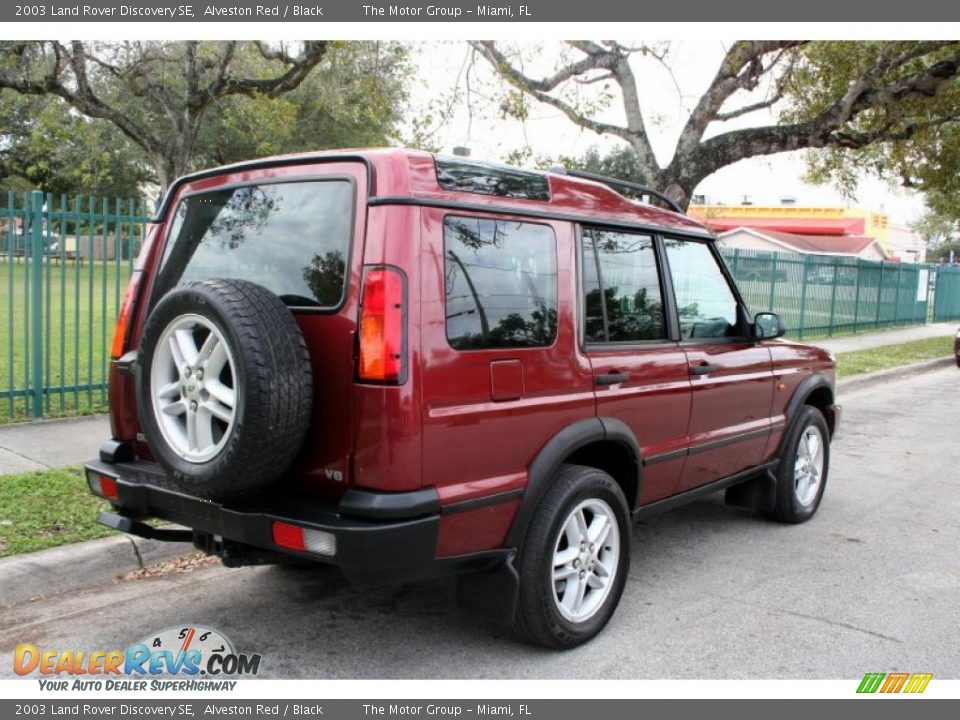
(886, 106)
(184, 105)
(620, 163)
(912, 139)
(354, 99)
(44, 509)
(857, 362)
(45, 145)
(941, 252)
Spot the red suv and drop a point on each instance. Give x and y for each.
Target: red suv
(408, 365)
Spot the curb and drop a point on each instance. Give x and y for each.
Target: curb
(80, 565)
(868, 380)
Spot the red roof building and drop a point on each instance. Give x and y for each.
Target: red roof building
(859, 246)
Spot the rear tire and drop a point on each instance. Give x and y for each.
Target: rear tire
(574, 559)
(225, 390)
(803, 469)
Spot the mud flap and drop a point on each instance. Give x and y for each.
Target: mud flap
(492, 593)
(759, 494)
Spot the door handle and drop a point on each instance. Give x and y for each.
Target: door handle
(611, 378)
(702, 369)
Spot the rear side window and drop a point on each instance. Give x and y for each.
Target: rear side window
(292, 238)
(500, 279)
(622, 302)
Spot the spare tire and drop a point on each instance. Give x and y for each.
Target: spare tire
(225, 391)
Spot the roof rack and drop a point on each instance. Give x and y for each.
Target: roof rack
(615, 184)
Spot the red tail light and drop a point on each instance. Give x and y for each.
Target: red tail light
(121, 332)
(103, 485)
(294, 537)
(383, 315)
(288, 536)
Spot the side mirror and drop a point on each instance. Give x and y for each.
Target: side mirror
(768, 325)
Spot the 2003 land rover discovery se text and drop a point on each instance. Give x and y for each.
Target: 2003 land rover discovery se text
(408, 365)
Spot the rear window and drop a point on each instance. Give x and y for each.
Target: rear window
(501, 283)
(292, 238)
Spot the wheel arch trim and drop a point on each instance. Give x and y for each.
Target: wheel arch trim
(553, 454)
(805, 389)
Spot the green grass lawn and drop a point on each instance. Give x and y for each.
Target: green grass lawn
(43, 509)
(79, 313)
(858, 362)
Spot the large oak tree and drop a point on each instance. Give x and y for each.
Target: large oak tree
(887, 107)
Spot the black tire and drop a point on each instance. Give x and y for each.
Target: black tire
(273, 387)
(788, 507)
(538, 619)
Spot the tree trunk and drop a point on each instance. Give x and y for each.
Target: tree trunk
(170, 165)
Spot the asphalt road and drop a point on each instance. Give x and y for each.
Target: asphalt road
(872, 583)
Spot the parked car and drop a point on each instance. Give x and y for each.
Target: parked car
(828, 275)
(956, 347)
(759, 271)
(408, 366)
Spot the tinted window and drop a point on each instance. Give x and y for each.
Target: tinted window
(292, 238)
(705, 303)
(501, 283)
(489, 179)
(621, 285)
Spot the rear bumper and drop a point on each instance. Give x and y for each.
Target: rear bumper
(381, 538)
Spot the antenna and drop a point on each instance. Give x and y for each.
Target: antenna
(614, 184)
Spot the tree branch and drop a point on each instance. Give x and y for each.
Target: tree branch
(828, 128)
(297, 70)
(741, 69)
(614, 62)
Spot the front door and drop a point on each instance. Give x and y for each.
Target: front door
(730, 374)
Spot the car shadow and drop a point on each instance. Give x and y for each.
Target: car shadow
(381, 629)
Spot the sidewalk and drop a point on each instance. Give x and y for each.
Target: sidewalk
(51, 443)
(54, 443)
(866, 341)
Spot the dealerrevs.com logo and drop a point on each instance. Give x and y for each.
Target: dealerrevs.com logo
(892, 683)
(201, 656)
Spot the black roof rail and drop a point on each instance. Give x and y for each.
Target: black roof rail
(615, 184)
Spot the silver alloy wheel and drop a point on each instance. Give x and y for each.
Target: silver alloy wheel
(586, 556)
(193, 388)
(808, 465)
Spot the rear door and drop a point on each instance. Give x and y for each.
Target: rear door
(640, 373)
(730, 374)
(501, 375)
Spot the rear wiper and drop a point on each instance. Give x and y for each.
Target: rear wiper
(299, 300)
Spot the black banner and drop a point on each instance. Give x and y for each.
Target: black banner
(459, 709)
(326, 11)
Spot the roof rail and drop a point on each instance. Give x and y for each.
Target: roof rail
(615, 184)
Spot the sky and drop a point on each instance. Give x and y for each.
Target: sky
(665, 95)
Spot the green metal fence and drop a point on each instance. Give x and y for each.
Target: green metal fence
(65, 262)
(64, 265)
(824, 294)
(946, 305)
